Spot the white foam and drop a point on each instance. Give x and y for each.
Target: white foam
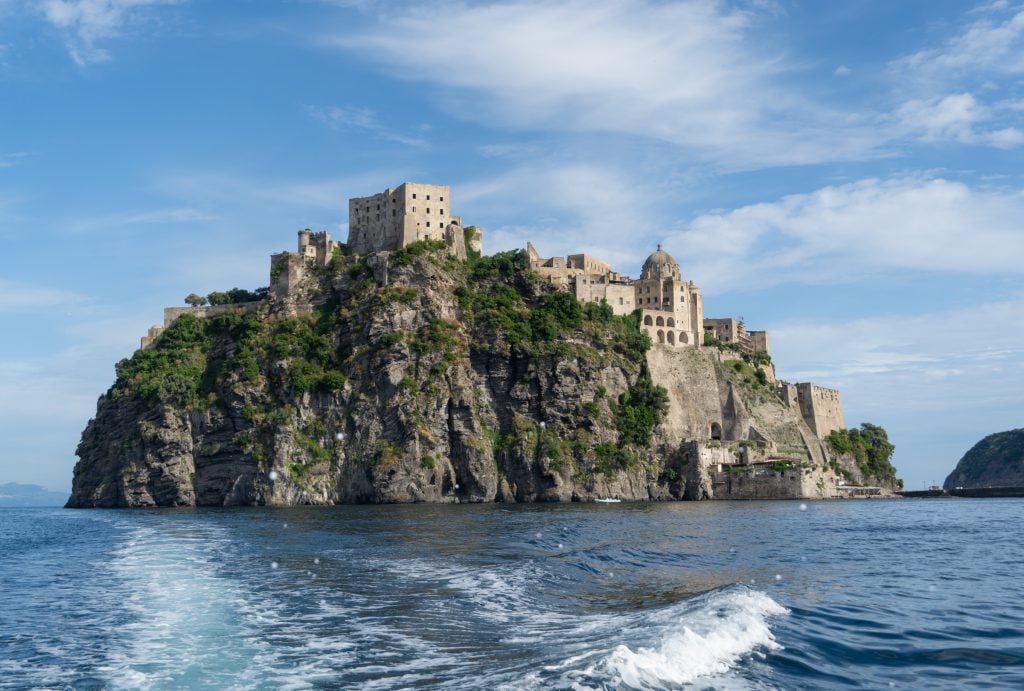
(706, 641)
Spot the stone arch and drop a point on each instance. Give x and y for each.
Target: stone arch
(670, 322)
(716, 431)
(660, 321)
(671, 337)
(683, 337)
(648, 321)
(661, 336)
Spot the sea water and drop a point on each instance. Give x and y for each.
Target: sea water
(722, 595)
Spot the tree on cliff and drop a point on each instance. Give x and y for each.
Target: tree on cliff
(195, 300)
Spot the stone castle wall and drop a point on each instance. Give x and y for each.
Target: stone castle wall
(820, 408)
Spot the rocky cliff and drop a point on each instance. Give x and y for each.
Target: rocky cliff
(415, 376)
(995, 461)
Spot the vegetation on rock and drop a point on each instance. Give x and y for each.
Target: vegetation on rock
(870, 447)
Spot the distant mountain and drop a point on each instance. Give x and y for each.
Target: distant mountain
(13, 494)
(995, 461)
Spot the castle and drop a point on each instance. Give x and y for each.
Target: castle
(671, 308)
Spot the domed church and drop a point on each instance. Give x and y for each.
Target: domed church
(672, 309)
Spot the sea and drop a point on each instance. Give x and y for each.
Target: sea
(918, 594)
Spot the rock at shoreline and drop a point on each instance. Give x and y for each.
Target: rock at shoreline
(995, 461)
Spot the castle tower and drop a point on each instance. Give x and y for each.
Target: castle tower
(673, 310)
(399, 217)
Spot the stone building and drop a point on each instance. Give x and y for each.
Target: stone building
(733, 331)
(589, 278)
(672, 309)
(398, 217)
(288, 269)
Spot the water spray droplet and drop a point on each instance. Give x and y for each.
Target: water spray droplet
(317, 560)
(272, 475)
(273, 564)
(732, 550)
(559, 545)
(803, 507)
(537, 536)
(753, 580)
(778, 576)
(456, 486)
(285, 525)
(931, 588)
(543, 425)
(340, 436)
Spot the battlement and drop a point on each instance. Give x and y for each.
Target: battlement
(820, 407)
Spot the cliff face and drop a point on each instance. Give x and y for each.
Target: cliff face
(995, 461)
(415, 377)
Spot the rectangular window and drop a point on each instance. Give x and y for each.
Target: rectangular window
(441, 198)
(428, 197)
(428, 224)
(413, 195)
(428, 209)
(441, 212)
(414, 209)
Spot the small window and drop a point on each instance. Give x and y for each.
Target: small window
(413, 195)
(441, 211)
(378, 207)
(428, 208)
(414, 209)
(428, 197)
(441, 198)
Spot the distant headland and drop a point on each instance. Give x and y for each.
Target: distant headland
(403, 365)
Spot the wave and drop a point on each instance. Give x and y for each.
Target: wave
(701, 638)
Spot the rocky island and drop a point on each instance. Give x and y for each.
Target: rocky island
(997, 461)
(404, 366)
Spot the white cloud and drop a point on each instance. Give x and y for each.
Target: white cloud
(352, 117)
(974, 64)
(24, 297)
(134, 218)
(563, 209)
(842, 233)
(87, 22)
(12, 159)
(843, 71)
(952, 116)
(222, 190)
(985, 45)
(692, 73)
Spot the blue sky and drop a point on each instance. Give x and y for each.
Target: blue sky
(845, 175)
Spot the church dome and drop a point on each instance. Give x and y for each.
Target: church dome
(660, 265)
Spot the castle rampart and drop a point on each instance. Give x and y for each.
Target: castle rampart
(820, 407)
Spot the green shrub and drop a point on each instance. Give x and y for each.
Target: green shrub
(641, 407)
(869, 446)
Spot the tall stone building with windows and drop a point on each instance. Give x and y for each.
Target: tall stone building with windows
(672, 309)
(398, 217)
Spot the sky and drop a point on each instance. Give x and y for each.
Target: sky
(847, 176)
